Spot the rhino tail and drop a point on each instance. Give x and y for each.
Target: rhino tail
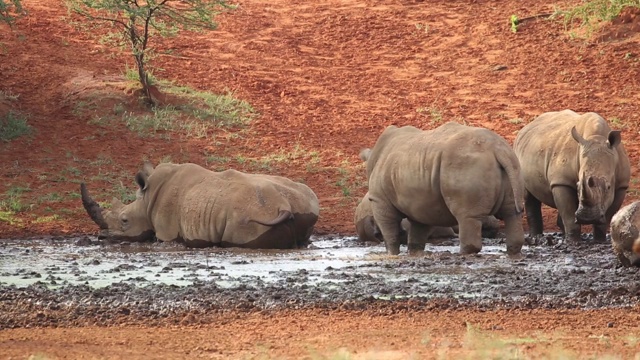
(284, 215)
(512, 167)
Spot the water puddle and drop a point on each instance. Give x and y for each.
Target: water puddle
(334, 267)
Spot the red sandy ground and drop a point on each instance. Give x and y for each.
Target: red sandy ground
(325, 77)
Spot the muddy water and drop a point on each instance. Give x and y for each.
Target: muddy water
(99, 282)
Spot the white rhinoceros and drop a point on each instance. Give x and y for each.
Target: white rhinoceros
(576, 164)
(625, 234)
(454, 174)
(188, 203)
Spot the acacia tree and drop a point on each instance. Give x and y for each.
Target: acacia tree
(139, 20)
(10, 10)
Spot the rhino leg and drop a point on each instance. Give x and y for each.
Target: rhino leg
(566, 200)
(534, 214)
(559, 222)
(418, 235)
(515, 233)
(470, 235)
(388, 220)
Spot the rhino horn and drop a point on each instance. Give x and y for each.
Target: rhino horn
(576, 136)
(93, 208)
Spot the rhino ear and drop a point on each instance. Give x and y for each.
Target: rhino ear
(143, 175)
(364, 154)
(577, 137)
(614, 138)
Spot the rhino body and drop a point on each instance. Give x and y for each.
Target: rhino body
(576, 164)
(368, 231)
(451, 175)
(625, 234)
(188, 203)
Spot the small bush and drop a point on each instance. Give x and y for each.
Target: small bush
(13, 125)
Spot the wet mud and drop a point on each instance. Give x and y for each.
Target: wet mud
(82, 281)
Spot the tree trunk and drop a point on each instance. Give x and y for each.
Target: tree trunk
(144, 80)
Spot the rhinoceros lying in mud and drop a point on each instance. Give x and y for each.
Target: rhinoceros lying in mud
(453, 174)
(625, 234)
(368, 231)
(188, 203)
(576, 164)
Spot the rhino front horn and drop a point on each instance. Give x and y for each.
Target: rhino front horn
(92, 207)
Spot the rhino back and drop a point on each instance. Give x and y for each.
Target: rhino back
(439, 165)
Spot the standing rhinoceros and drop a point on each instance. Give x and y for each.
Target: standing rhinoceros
(453, 174)
(625, 234)
(576, 164)
(189, 203)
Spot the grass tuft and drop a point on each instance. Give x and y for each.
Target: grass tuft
(13, 125)
(586, 18)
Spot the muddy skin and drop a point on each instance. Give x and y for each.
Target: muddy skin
(82, 281)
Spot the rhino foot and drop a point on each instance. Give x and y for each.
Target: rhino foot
(469, 249)
(416, 249)
(393, 248)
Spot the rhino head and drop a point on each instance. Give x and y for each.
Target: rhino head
(596, 177)
(122, 222)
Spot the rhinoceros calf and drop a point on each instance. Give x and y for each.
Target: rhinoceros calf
(368, 231)
(186, 202)
(454, 174)
(576, 164)
(625, 234)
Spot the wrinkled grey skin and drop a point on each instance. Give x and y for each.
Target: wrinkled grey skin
(576, 164)
(368, 231)
(452, 174)
(625, 234)
(188, 203)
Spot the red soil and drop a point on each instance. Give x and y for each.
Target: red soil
(326, 77)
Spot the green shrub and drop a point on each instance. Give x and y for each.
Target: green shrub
(13, 125)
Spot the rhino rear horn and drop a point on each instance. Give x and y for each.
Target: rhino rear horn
(93, 208)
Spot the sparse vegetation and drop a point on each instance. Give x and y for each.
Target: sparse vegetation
(513, 21)
(13, 125)
(11, 203)
(124, 194)
(435, 114)
(10, 10)
(221, 110)
(586, 18)
(197, 115)
(350, 178)
(140, 21)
